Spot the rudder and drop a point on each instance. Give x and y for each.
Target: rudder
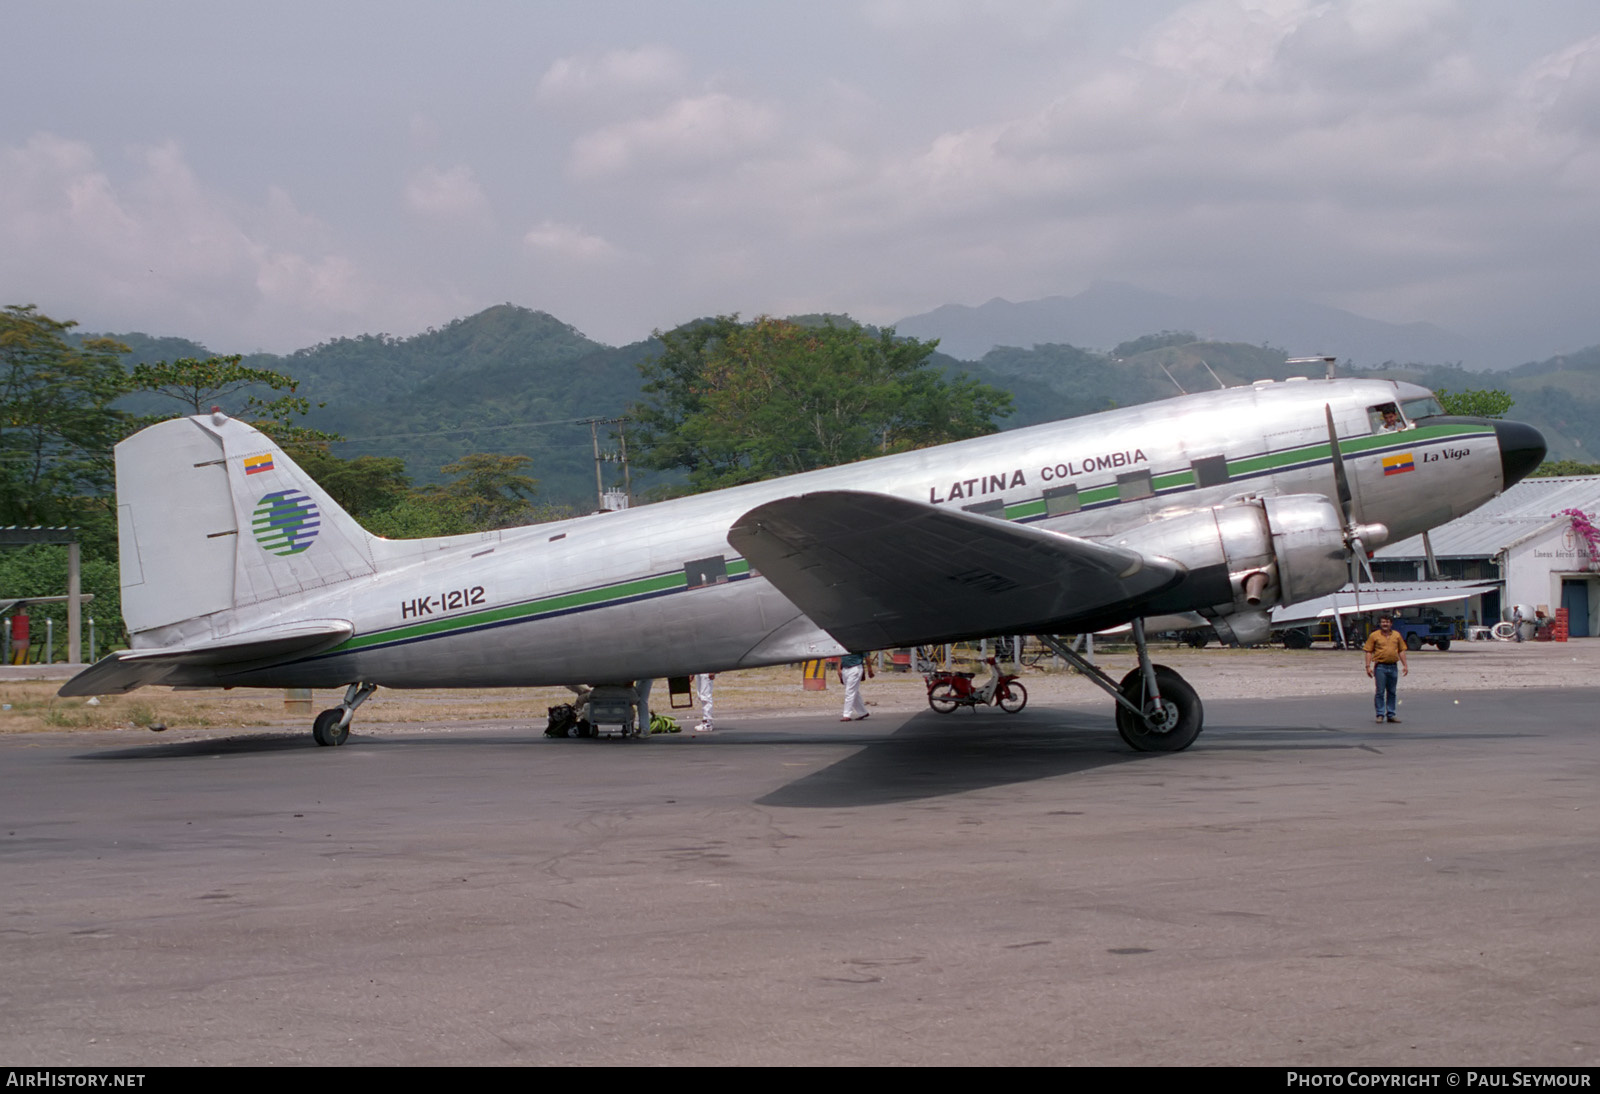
(212, 515)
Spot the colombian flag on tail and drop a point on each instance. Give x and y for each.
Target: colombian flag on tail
(1398, 465)
(253, 464)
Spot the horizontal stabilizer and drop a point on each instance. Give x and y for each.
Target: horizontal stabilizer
(126, 670)
(876, 571)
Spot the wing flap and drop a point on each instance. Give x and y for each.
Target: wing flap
(876, 571)
(125, 670)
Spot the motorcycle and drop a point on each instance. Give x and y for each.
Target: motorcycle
(949, 690)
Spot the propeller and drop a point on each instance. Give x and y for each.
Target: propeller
(1355, 534)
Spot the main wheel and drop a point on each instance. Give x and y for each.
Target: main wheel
(1012, 698)
(942, 698)
(1177, 723)
(1296, 640)
(326, 730)
(1413, 642)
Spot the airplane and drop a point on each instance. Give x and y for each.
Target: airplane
(238, 570)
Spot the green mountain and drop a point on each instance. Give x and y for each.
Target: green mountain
(516, 381)
(506, 380)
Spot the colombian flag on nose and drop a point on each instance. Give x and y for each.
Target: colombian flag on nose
(263, 462)
(1397, 465)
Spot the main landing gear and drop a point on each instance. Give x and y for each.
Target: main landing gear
(333, 726)
(1157, 711)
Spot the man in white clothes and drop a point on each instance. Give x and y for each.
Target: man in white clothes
(703, 687)
(851, 668)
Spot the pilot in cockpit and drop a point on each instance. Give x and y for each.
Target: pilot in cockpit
(1386, 418)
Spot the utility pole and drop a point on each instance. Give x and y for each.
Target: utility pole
(599, 486)
(627, 476)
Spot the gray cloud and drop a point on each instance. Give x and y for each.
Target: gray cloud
(631, 167)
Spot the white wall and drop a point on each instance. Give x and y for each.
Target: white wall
(1536, 566)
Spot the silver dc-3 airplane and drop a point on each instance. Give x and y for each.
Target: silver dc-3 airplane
(237, 570)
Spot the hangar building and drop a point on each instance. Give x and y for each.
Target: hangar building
(1527, 543)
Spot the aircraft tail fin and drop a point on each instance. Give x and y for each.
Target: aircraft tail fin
(212, 515)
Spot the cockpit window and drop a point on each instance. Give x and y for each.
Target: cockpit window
(1385, 418)
(1422, 408)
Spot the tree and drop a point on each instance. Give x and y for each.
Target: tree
(363, 486)
(1145, 343)
(1552, 468)
(41, 570)
(199, 385)
(1471, 403)
(733, 403)
(489, 491)
(57, 425)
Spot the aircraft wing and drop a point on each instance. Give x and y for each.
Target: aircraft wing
(1376, 597)
(125, 670)
(876, 571)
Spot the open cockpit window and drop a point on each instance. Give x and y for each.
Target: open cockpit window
(1385, 418)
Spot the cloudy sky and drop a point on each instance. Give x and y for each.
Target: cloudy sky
(267, 176)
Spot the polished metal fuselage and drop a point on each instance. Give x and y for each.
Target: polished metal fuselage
(657, 590)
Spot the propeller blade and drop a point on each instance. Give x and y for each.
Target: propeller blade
(1355, 568)
(1352, 538)
(1358, 549)
(1340, 481)
(1432, 563)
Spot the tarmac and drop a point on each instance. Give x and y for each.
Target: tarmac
(1301, 887)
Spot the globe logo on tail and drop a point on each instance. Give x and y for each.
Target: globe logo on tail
(286, 522)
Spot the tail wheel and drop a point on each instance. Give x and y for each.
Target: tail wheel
(327, 730)
(1013, 697)
(1173, 727)
(942, 698)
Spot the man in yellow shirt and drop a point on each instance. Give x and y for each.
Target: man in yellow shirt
(1385, 661)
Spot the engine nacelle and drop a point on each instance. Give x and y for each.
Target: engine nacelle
(1250, 554)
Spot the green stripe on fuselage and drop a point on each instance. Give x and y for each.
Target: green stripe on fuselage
(602, 595)
(597, 597)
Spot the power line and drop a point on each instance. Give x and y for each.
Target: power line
(464, 429)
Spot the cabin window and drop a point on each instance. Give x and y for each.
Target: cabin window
(1060, 500)
(706, 571)
(995, 508)
(1385, 418)
(1134, 485)
(1210, 471)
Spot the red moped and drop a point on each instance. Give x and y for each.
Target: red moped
(948, 690)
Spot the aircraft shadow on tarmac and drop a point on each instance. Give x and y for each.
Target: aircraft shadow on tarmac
(933, 755)
(245, 743)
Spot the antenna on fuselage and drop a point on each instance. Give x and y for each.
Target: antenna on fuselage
(1214, 376)
(1173, 378)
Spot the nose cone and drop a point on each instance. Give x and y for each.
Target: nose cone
(1521, 450)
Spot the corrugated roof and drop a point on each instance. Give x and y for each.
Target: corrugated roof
(1524, 509)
